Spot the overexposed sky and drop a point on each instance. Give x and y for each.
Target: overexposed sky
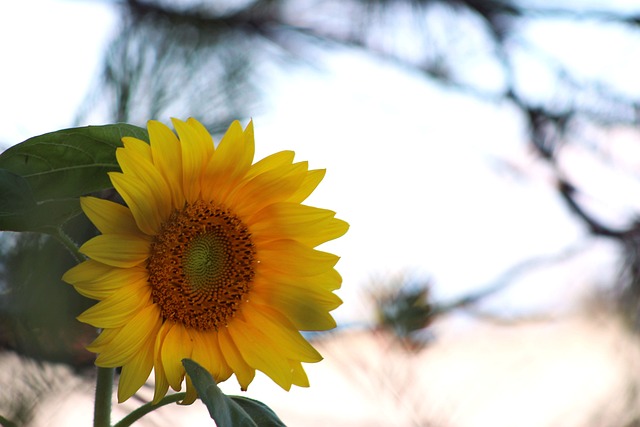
(51, 51)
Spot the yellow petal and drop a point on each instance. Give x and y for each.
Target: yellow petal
(87, 271)
(98, 281)
(130, 338)
(117, 250)
(162, 385)
(206, 352)
(249, 140)
(119, 308)
(196, 152)
(191, 395)
(234, 154)
(167, 156)
(259, 353)
(244, 372)
(135, 373)
(299, 375)
(138, 166)
(280, 332)
(305, 224)
(304, 311)
(229, 164)
(109, 217)
(269, 187)
(140, 200)
(103, 340)
(310, 183)
(139, 146)
(271, 162)
(289, 256)
(177, 345)
(329, 280)
(307, 288)
(202, 134)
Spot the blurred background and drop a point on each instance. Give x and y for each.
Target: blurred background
(485, 152)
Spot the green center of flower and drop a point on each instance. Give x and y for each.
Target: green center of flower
(201, 266)
(207, 258)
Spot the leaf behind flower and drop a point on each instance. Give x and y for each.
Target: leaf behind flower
(42, 178)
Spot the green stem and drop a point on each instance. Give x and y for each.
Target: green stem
(104, 391)
(66, 241)
(148, 407)
(6, 423)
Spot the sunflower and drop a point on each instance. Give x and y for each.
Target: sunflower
(213, 258)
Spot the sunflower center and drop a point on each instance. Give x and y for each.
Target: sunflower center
(201, 266)
(206, 259)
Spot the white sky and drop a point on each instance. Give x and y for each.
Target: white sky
(51, 50)
(411, 166)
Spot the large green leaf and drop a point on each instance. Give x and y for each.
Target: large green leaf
(42, 177)
(19, 211)
(69, 162)
(228, 411)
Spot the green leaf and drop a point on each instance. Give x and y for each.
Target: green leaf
(19, 210)
(261, 414)
(69, 162)
(228, 411)
(43, 177)
(15, 194)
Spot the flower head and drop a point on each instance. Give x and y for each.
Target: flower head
(211, 259)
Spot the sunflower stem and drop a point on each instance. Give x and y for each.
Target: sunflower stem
(6, 423)
(148, 407)
(104, 391)
(68, 243)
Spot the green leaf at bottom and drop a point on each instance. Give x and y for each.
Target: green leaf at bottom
(234, 411)
(260, 413)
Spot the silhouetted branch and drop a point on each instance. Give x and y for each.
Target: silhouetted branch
(506, 279)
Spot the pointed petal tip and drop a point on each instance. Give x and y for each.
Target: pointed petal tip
(177, 121)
